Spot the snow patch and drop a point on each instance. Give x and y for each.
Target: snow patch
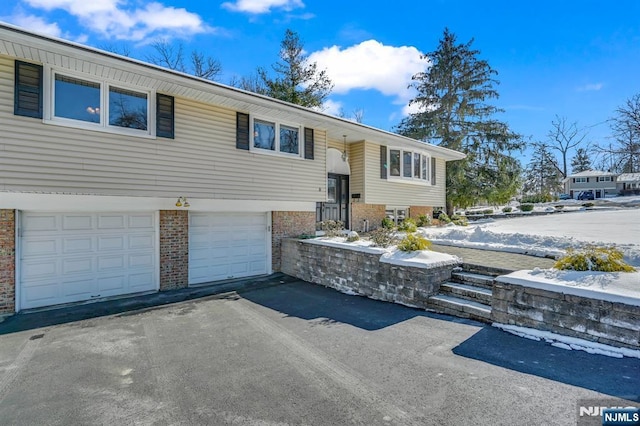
(566, 342)
(425, 259)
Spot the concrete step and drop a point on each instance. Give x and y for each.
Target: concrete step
(471, 278)
(465, 291)
(485, 270)
(460, 307)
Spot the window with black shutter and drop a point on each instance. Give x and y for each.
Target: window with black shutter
(165, 116)
(383, 162)
(433, 171)
(242, 131)
(28, 90)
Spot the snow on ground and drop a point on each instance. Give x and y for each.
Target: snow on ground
(617, 287)
(549, 235)
(569, 343)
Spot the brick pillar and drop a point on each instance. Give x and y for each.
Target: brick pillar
(285, 225)
(7, 261)
(174, 249)
(374, 213)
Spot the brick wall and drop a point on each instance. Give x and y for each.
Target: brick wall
(610, 323)
(356, 271)
(374, 213)
(286, 225)
(7, 261)
(174, 249)
(415, 211)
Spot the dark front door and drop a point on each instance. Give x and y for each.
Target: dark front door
(337, 205)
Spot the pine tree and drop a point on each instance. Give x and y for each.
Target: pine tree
(542, 177)
(297, 81)
(580, 162)
(452, 95)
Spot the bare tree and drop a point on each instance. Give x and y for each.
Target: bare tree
(563, 137)
(172, 56)
(118, 49)
(357, 115)
(626, 131)
(251, 83)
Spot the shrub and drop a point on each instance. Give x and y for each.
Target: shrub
(487, 211)
(526, 207)
(408, 225)
(413, 242)
(507, 209)
(591, 258)
(352, 236)
(459, 220)
(388, 223)
(559, 207)
(423, 220)
(444, 218)
(332, 228)
(588, 205)
(537, 198)
(383, 237)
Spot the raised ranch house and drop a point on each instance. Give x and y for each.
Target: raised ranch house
(628, 183)
(600, 184)
(120, 177)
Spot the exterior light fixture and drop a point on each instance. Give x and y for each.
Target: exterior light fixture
(345, 156)
(182, 202)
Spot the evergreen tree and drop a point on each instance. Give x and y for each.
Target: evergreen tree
(542, 177)
(297, 81)
(580, 162)
(452, 95)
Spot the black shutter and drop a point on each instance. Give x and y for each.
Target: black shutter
(28, 90)
(165, 116)
(433, 171)
(242, 131)
(574, 180)
(383, 162)
(587, 180)
(308, 144)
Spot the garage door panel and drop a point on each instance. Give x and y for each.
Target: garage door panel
(223, 246)
(68, 257)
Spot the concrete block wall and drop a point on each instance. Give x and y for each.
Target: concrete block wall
(174, 249)
(361, 273)
(374, 213)
(615, 324)
(286, 225)
(7, 261)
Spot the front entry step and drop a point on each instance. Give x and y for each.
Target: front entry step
(459, 307)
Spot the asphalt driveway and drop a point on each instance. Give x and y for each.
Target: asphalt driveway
(298, 354)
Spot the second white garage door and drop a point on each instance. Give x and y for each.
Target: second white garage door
(227, 245)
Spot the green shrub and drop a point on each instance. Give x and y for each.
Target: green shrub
(423, 220)
(383, 237)
(388, 223)
(559, 207)
(459, 220)
(444, 218)
(526, 207)
(507, 209)
(408, 225)
(332, 228)
(352, 237)
(413, 242)
(591, 258)
(487, 211)
(537, 198)
(588, 205)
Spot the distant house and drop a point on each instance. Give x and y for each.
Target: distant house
(600, 183)
(628, 183)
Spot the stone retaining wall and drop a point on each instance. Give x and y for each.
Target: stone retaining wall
(610, 323)
(352, 271)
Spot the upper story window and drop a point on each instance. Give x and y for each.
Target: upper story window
(410, 165)
(275, 137)
(605, 179)
(581, 180)
(84, 102)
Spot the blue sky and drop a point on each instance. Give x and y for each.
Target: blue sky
(575, 59)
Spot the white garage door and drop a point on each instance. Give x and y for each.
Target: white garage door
(227, 245)
(69, 257)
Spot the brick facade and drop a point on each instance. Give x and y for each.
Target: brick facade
(174, 249)
(7, 261)
(360, 212)
(288, 224)
(415, 211)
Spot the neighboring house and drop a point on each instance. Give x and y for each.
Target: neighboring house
(601, 184)
(121, 177)
(628, 183)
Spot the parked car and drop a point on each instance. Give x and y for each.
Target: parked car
(586, 195)
(564, 197)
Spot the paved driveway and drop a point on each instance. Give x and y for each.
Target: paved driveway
(295, 354)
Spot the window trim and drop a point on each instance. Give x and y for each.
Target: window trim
(276, 151)
(424, 156)
(103, 125)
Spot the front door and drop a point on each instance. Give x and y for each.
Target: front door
(337, 205)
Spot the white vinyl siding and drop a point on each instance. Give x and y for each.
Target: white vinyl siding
(201, 162)
(396, 192)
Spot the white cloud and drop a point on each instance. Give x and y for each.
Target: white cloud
(332, 107)
(125, 20)
(592, 87)
(262, 6)
(372, 65)
(36, 23)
